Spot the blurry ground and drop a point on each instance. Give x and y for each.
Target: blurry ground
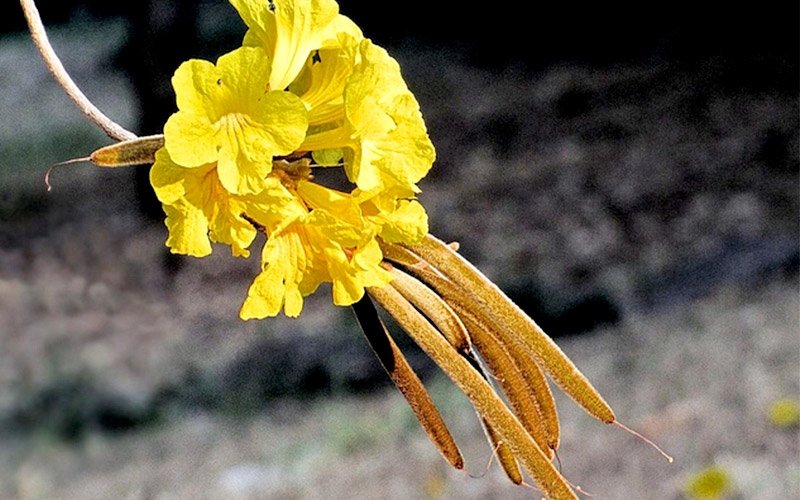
(656, 199)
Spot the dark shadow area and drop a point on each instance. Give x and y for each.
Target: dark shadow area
(274, 368)
(562, 315)
(72, 407)
(498, 34)
(747, 262)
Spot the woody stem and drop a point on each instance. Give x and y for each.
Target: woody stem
(53, 63)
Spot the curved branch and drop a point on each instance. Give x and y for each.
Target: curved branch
(53, 63)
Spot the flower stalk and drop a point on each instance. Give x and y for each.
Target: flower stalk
(56, 68)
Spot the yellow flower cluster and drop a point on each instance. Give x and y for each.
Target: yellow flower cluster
(305, 91)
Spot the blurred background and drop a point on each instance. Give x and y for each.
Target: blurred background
(628, 174)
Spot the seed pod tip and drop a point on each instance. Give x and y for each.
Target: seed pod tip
(646, 440)
(60, 164)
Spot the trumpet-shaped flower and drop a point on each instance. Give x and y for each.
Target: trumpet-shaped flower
(383, 136)
(332, 242)
(199, 210)
(229, 115)
(237, 159)
(290, 30)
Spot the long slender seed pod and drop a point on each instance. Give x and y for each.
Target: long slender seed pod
(548, 354)
(533, 383)
(411, 289)
(434, 308)
(138, 151)
(540, 392)
(569, 378)
(467, 308)
(488, 404)
(505, 456)
(458, 299)
(445, 319)
(511, 382)
(407, 381)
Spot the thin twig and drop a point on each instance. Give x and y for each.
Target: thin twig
(53, 63)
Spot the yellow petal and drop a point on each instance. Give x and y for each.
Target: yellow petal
(407, 152)
(275, 126)
(237, 173)
(385, 141)
(193, 82)
(188, 230)
(265, 297)
(229, 227)
(190, 139)
(351, 276)
(408, 223)
(276, 287)
(279, 209)
(341, 25)
(367, 260)
(288, 30)
(346, 288)
(167, 178)
(341, 206)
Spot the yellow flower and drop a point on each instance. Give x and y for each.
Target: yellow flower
(290, 30)
(228, 114)
(199, 210)
(237, 159)
(383, 135)
(331, 242)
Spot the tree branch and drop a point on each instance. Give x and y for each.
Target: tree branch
(53, 63)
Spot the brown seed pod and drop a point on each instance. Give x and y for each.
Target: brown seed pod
(433, 307)
(480, 393)
(511, 381)
(139, 151)
(407, 381)
(547, 353)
